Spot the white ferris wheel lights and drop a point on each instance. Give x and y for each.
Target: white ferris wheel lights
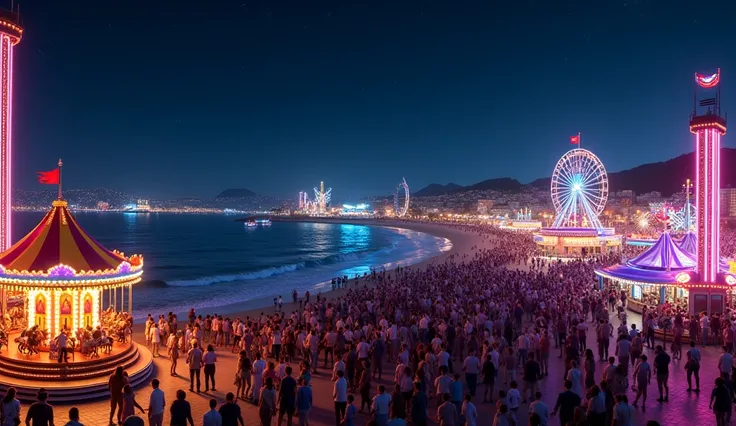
(579, 189)
(401, 199)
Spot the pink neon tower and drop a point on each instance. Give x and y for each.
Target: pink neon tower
(708, 126)
(10, 35)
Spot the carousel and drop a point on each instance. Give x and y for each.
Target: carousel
(60, 284)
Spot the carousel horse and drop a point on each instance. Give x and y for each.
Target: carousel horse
(3, 339)
(30, 340)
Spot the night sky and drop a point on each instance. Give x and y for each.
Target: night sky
(181, 98)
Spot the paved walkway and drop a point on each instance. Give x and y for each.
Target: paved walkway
(682, 405)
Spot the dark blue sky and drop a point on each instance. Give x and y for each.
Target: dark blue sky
(174, 98)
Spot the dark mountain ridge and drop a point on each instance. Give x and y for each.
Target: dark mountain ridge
(236, 193)
(666, 177)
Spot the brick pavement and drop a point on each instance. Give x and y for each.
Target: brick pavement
(682, 405)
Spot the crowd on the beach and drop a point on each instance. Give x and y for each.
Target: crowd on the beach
(424, 345)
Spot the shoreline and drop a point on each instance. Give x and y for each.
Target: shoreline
(462, 243)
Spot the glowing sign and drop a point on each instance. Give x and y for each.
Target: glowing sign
(708, 81)
(730, 280)
(682, 277)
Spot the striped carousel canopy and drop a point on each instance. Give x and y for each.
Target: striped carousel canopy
(59, 240)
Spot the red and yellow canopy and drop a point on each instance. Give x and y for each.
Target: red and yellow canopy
(59, 240)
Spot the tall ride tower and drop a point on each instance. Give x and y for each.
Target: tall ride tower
(10, 35)
(708, 125)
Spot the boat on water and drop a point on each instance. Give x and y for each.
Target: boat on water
(264, 222)
(250, 224)
(141, 206)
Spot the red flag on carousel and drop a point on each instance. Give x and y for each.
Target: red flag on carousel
(49, 178)
(575, 140)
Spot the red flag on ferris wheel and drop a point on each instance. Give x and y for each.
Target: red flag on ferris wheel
(575, 140)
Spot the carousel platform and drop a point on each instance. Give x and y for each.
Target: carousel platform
(82, 378)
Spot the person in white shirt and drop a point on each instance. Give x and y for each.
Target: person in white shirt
(339, 366)
(539, 408)
(471, 367)
(156, 405)
(340, 396)
(513, 398)
(380, 406)
(212, 417)
(259, 366)
(469, 412)
(155, 338)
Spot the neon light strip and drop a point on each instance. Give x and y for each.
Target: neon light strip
(9, 165)
(5, 186)
(706, 201)
(716, 226)
(699, 203)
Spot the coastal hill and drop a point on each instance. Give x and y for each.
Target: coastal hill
(236, 193)
(666, 177)
(437, 189)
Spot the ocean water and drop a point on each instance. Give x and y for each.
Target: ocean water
(208, 260)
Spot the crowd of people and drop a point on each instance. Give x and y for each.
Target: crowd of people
(433, 343)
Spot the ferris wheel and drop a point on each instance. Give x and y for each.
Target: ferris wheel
(579, 190)
(401, 199)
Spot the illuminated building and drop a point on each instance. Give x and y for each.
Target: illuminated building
(60, 278)
(10, 35)
(485, 206)
(322, 198)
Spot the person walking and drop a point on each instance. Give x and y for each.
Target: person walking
(212, 417)
(287, 397)
(62, 342)
(303, 402)
(380, 406)
(623, 413)
(155, 338)
(173, 350)
(40, 413)
(194, 360)
(209, 359)
(181, 410)
(129, 403)
(643, 377)
(471, 367)
(259, 366)
(115, 385)
(419, 406)
(692, 367)
(662, 373)
(469, 412)
(720, 403)
(566, 403)
(156, 405)
(267, 403)
(10, 409)
(340, 397)
(230, 411)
